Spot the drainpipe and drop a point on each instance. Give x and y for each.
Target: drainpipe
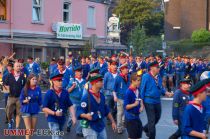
(11, 32)
(207, 15)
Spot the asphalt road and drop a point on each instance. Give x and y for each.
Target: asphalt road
(165, 127)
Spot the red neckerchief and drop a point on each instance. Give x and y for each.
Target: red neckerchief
(58, 92)
(196, 104)
(61, 70)
(185, 92)
(133, 89)
(125, 77)
(97, 95)
(13, 73)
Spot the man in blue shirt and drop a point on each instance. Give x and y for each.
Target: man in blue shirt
(181, 99)
(33, 67)
(56, 104)
(151, 91)
(122, 83)
(93, 110)
(132, 107)
(102, 65)
(194, 125)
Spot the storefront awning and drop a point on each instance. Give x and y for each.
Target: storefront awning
(107, 46)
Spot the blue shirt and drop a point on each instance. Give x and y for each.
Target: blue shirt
(180, 67)
(103, 68)
(206, 105)
(35, 69)
(85, 69)
(97, 123)
(55, 102)
(33, 107)
(77, 92)
(130, 98)
(109, 81)
(121, 86)
(150, 90)
(193, 119)
(51, 68)
(170, 67)
(179, 103)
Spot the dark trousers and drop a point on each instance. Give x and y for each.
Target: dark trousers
(153, 115)
(178, 133)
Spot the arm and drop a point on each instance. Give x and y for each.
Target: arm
(72, 111)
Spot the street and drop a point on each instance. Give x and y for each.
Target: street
(165, 126)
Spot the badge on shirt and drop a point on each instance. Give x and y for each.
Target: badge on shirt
(183, 98)
(83, 104)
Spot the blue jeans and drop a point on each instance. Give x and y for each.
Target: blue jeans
(55, 127)
(153, 112)
(92, 134)
(78, 126)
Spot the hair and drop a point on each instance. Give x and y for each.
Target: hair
(27, 85)
(134, 76)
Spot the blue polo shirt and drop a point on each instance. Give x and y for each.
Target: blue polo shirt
(33, 107)
(50, 100)
(77, 92)
(121, 86)
(109, 81)
(130, 98)
(97, 123)
(35, 69)
(151, 89)
(193, 119)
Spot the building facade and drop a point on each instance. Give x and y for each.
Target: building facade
(182, 17)
(51, 28)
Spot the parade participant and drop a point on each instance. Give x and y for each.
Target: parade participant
(122, 83)
(14, 82)
(52, 66)
(141, 65)
(75, 90)
(180, 100)
(102, 65)
(94, 62)
(109, 81)
(61, 69)
(162, 69)
(151, 90)
(180, 70)
(23, 69)
(30, 100)
(93, 110)
(187, 66)
(114, 57)
(194, 125)
(6, 72)
(33, 67)
(132, 66)
(170, 73)
(206, 106)
(122, 58)
(133, 105)
(193, 70)
(56, 104)
(201, 67)
(69, 66)
(85, 68)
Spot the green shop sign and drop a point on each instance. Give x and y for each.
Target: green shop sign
(69, 31)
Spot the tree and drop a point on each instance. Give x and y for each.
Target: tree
(201, 35)
(137, 39)
(138, 12)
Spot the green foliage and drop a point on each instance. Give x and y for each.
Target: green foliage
(201, 35)
(87, 49)
(44, 65)
(143, 44)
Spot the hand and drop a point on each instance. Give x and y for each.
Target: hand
(169, 94)
(136, 103)
(203, 136)
(89, 116)
(114, 126)
(26, 100)
(141, 109)
(115, 99)
(74, 85)
(176, 122)
(74, 120)
(58, 113)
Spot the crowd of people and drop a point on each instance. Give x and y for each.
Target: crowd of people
(86, 90)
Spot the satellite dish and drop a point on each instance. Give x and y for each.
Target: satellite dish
(205, 75)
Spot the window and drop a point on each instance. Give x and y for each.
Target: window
(3, 9)
(37, 10)
(66, 12)
(91, 17)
